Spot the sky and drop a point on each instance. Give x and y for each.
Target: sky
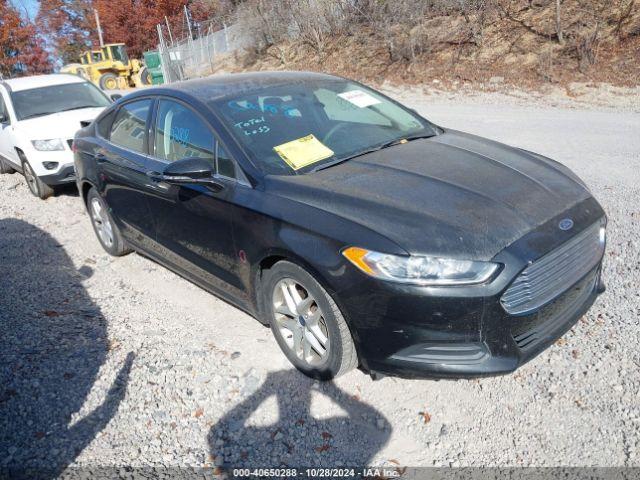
(27, 7)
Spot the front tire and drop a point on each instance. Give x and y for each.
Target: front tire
(5, 168)
(307, 323)
(108, 81)
(105, 228)
(36, 186)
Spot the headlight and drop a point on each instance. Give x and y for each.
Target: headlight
(48, 145)
(420, 270)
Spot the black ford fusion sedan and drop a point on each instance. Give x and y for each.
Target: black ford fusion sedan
(363, 234)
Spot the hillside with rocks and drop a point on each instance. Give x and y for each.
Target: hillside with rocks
(527, 43)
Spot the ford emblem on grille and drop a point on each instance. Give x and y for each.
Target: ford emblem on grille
(565, 224)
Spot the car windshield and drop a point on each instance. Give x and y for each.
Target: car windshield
(300, 127)
(36, 102)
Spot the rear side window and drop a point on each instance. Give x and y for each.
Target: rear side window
(129, 126)
(181, 133)
(104, 124)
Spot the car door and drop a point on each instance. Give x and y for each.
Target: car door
(121, 163)
(193, 223)
(7, 144)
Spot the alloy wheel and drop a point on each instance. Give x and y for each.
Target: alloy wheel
(300, 321)
(30, 177)
(102, 222)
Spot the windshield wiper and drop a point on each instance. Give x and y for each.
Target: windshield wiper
(402, 140)
(397, 141)
(79, 107)
(344, 159)
(40, 114)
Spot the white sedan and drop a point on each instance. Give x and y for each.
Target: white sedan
(39, 117)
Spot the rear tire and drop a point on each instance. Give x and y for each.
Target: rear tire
(5, 168)
(108, 81)
(307, 323)
(145, 76)
(36, 186)
(104, 227)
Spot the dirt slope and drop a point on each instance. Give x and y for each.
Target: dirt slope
(513, 42)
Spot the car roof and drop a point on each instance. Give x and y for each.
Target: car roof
(220, 86)
(37, 81)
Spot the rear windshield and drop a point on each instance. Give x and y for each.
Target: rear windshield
(292, 129)
(36, 102)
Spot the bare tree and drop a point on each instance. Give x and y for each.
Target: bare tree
(559, 23)
(624, 16)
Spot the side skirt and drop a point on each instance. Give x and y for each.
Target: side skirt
(222, 295)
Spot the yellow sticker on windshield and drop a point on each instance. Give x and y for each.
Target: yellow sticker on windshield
(303, 151)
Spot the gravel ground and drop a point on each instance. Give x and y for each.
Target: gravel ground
(109, 361)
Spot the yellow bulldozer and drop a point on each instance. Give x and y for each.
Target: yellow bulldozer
(110, 68)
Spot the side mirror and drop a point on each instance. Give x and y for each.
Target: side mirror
(115, 97)
(188, 171)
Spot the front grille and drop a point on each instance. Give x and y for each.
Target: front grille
(554, 319)
(553, 274)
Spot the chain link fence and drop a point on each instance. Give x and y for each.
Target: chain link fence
(194, 55)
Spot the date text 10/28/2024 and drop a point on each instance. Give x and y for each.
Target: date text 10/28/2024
(366, 472)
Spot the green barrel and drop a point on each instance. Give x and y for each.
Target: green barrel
(153, 63)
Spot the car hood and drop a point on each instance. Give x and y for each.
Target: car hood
(57, 125)
(454, 195)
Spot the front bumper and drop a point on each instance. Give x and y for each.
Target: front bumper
(61, 160)
(503, 344)
(459, 332)
(63, 175)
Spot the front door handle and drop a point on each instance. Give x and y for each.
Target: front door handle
(157, 182)
(100, 157)
(155, 176)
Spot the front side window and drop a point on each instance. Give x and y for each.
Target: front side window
(4, 114)
(181, 133)
(129, 126)
(293, 128)
(225, 165)
(37, 102)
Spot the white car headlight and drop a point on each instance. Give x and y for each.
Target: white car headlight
(48, 145)
(420, 270)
